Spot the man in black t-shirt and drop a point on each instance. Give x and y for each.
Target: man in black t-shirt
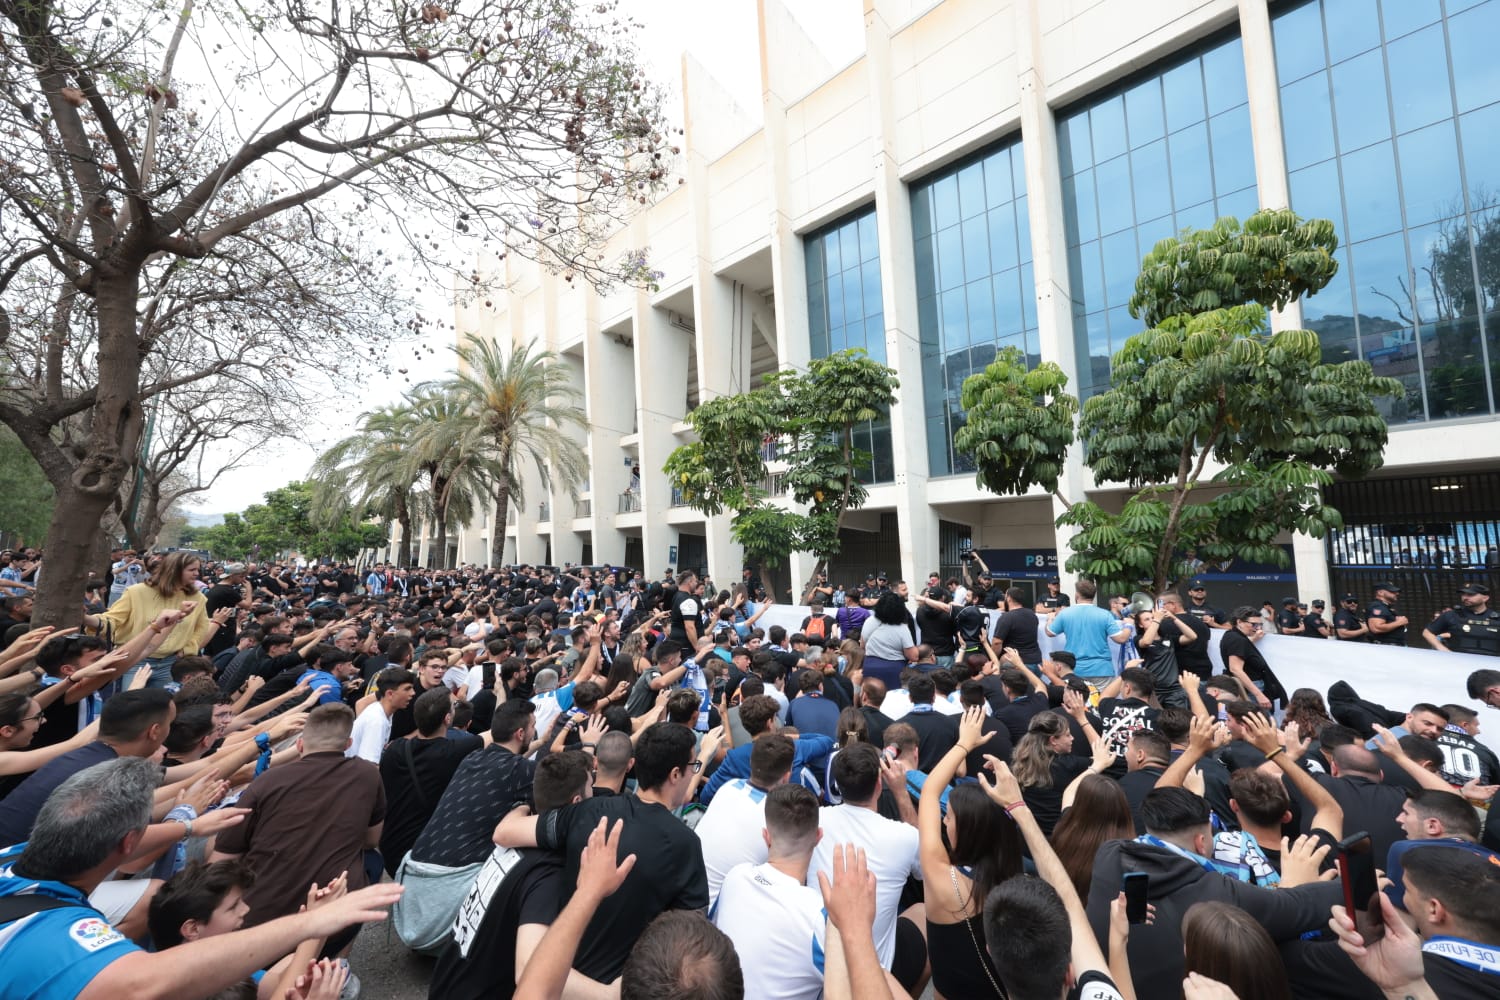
(936, 626)
(515, 898)
(1347, 624)
(1387, 627)
(1017, 628)
(668, 873)
(230, 592)
(1465, 759)
(1054, 598)
(416, 772)
(1136, 708)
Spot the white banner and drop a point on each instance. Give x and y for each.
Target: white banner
(1389, 675)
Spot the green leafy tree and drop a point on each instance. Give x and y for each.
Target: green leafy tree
(459, 467)
(1206, 382)
(370, 473)
(516, 407)
(25, 494)
(812, 416)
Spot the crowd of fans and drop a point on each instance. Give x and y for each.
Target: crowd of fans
(582, 783)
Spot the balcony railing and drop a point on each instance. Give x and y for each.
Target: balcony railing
(630, 502)
(544, 512)
(677, 498)
(583, 508)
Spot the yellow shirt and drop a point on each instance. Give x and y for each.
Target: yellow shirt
(138, 607)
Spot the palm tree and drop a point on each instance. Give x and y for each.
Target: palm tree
(459, 468)
(516, 405)
(370, 473)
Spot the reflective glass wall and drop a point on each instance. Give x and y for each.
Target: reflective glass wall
(1391, 115)
(1165, 150)
(974, 284)
(844, 310)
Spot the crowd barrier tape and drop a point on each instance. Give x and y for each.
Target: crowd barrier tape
(1393, 676)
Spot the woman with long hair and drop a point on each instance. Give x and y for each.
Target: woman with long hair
(173, 584)
(629, 661)
(1308, 710)
(1226, 944)
(964, 854)
(1099, 813)
(887, 641)
(1044, 762)
(854, 661)
(852, 727)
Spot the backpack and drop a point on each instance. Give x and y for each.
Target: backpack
(817, 627)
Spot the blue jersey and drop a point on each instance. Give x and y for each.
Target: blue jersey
(55, 953)
(330, 690)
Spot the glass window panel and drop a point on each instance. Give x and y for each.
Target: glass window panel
(1402, 16)
(981, 312)
(869, 239)
(835, 300)
(1307, 121)
(1122, 326)
(971, 190)
(926, 276)
(1107, 126)
(1122, 263)
(1224, 77)
(955, 322)
(1298, 36)
(976, 238)
(1481, 137)
(836, 340)
(870, 283)
(1370, 196)
(817, 314)
(875, 337)
(1028, 296)
(1182, 90)
(1085, 214)
(1009, 313)
(1359, 102)
(849, 248)
(950, 258)
(1002, 226)
(1074, 151)
(1151, 181)
(1353, 27)
(1334, 299)
(997, 186)
(927, 322)
(1430, 180)
(830, 243)
(1192, 177)
(945, 202)
(1023, 228)
(1018, 170)
(1383, 286)
(921, 212)
(1143, 112)
(1097, 329)
(1419, 89)
(1454, 362)
(1444, 286)
(1090, 277)
(1113, 178)
(1315, 193)
(1233, 156)
(854, 309)
(1241, 204)
(937, 447)
(818, 344)
(812, 253)
(1476, 71)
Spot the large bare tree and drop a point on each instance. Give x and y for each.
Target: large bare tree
(525, 123)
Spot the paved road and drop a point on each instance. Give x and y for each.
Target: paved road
(387, 969)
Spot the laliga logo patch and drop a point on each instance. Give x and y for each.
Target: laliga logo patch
(91, 934)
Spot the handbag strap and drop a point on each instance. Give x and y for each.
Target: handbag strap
(969, 925)
(409, 756)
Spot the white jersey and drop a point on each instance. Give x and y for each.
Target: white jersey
(891, 852)
(731, 831)
(776, 924)
(371, 732)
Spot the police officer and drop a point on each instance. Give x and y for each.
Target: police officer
(1473, 627)
(990, 594)
(1314, 623)
(1288, 621)
(1053, 599)
(1386, 627)
(1347, 624)
(1201, 610)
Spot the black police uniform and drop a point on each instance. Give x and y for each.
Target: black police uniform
(1469, 631)
(1383, 611)
(1345, 619)
(1054, 601)
(1288, 621)
(1314, 623)
(1193, 656)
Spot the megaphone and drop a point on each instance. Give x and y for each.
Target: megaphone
(1140, 601)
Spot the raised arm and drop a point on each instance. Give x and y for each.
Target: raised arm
(1328, 814)
(934, 855)
(1391, 747)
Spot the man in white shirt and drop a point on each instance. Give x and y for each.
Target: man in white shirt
(394, 690)
(892, 851)
(774, 918)
(731, 828)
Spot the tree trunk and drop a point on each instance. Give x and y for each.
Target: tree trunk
(497, 534)
(84, 493)
(440, 543)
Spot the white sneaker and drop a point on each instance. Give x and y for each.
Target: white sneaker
(351, 985)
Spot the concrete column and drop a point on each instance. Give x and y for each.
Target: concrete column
(721, 320)
(916, 520)
(661, 354)
(611, 414)
(1049, 251)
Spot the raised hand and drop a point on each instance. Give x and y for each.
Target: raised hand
(1260, 732)
(1000, 784)
(971, 728)
(849, 897)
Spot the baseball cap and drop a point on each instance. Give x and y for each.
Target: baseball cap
(230, 569)
(1318, 603)
(880, 575)
(1055, 580)
(1387, 585)
(1197, 585)
(1288, 600)
(1474, 588)
(869, 576)
(1347, 597)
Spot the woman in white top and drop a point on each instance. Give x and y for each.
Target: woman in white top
(889, 644)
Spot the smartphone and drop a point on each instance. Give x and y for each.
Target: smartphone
(1356, 870)
(1223, 713)
(1135, 885)
(889, 753)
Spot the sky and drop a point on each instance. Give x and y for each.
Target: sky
(721, 34)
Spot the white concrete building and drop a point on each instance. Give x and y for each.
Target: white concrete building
(990, 173)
